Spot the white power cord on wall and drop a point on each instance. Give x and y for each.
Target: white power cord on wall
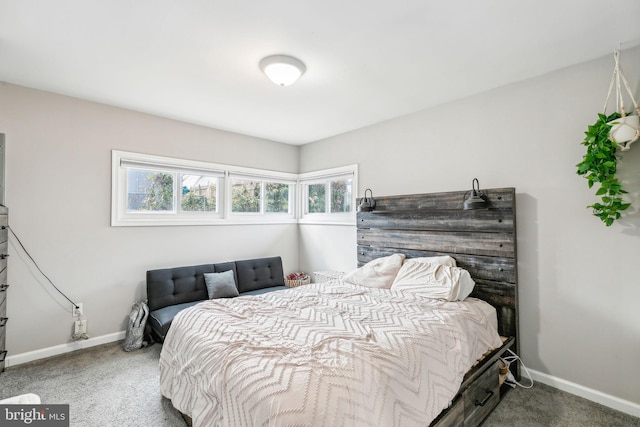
(511, 380)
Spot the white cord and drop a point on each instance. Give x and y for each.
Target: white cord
(510, 378)
(617, 78)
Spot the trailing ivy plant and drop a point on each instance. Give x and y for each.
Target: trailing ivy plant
(599, 165)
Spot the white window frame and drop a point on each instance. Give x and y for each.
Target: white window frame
(247, 174)
(325, 176)
(121, 160)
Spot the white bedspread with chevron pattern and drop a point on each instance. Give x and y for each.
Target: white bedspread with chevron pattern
(327, 354)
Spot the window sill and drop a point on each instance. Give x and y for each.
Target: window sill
(326, 222)
(186, 222)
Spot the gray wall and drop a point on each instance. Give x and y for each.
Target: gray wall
(579, 286)
(59, 190)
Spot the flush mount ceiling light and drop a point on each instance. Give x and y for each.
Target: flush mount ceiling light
(282, 70)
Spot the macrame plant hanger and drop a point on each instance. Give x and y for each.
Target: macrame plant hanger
(626, 129)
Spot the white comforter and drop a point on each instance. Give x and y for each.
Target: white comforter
(329, 354)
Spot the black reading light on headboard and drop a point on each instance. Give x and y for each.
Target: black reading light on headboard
(476, 200)
(367, 205)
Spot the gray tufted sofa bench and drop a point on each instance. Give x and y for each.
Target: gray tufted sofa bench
(170, 290)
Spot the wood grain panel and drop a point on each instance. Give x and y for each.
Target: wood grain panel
(3, 297)
(498, 198)
(484, 220)
(503, 296)
(3, 271)
(454, 416)
(481, 397)
(4, 243)
(4, 223)
(456, 242)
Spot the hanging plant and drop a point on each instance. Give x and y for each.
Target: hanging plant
(600, 165)
(604, 138)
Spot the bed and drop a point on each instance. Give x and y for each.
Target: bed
(340, 354)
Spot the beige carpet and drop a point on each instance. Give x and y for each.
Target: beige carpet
(106, 386)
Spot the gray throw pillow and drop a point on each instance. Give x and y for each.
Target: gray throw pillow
(221, 285)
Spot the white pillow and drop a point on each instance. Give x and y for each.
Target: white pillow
(441, 259)
(434, 281)
(378, 273)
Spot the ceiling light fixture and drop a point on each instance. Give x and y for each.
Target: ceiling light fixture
(282, 70)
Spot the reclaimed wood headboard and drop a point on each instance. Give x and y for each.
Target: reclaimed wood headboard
(483, 241)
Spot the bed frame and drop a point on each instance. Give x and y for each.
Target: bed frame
(483, 241)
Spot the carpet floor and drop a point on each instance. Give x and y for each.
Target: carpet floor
(106, 386)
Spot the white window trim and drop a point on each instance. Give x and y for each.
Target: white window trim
(263, 216)
(119, 216)
(322, 176)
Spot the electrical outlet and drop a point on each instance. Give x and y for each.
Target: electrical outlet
(77, 311)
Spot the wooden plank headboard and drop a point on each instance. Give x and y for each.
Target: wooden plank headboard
(482, 241)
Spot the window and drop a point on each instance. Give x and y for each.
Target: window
(316, 198)
(199, 193)
(329, 196)
(149, 191)
(254, 195)
(154, 190)
(278, 197)
(341, 192)
(245, 196)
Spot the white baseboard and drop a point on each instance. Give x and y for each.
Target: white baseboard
(613, 402)
(30, 356)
